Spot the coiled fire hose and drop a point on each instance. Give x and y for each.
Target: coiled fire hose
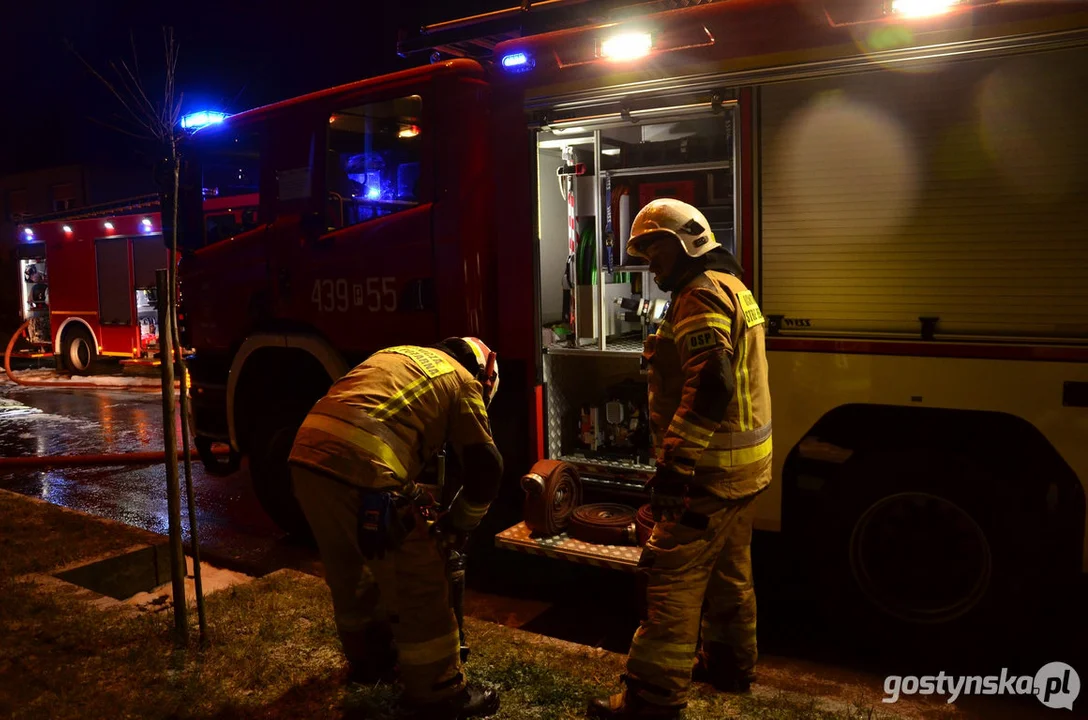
(552, 491)
(644, 522)
(604, 524)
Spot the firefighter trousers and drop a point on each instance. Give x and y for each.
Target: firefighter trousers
(683, 567)
(406, 589)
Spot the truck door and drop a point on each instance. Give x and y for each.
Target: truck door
(355, 262)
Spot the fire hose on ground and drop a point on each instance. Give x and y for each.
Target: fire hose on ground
(553, 505)
(44, 383)
(130, 458)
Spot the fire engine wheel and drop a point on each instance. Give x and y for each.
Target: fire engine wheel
(78, 350)
(270, 444)
(923, 541)
(920, 558)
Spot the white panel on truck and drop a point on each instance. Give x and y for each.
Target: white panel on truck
(957, 192)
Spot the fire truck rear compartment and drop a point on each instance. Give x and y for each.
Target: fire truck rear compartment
(598, 305)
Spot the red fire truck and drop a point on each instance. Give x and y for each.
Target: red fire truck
(88, 278)
(902, 182)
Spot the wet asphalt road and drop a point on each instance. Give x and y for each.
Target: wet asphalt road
(44, 421)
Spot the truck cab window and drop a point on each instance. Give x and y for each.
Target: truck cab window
(373, 161)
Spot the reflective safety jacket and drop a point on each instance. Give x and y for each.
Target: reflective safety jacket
(710, 404)
(379, 424)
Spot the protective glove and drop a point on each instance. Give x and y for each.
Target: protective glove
(668, 494)
(448, 536)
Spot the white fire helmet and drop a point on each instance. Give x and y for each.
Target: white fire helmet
(672, 217)
(489, 367)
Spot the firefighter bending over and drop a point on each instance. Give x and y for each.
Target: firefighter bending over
(353, 465)
(710, 414)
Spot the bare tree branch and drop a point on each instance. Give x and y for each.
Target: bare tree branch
(160, 123)
(116, 128)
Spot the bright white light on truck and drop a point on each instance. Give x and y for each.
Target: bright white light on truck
(108, 225)
(626, 46)
(408, 131)
(146, 222)
(922, 8)
(67, 229)
(29, 233)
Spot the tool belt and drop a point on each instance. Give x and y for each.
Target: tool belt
(553, 490)
(604, 524)
(386, 518)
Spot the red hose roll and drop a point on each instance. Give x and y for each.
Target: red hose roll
(604, 524)
(644, 522)
(553, 490)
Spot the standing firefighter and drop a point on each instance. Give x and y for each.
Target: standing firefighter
(354, 464)
(710, 414)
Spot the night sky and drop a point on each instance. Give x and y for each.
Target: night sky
(233, 56)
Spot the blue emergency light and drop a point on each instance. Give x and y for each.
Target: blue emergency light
(196, 120)
(517, 62)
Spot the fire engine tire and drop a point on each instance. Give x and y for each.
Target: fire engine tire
(270, 444)
(78, 350)
(644, 522)
(553, 490)
(922, 544)
(211, 462)
(604, 524)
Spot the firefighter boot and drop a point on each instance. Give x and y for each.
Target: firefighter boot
(371, 654)
(717, 673)
(630, 704)
(473, 701)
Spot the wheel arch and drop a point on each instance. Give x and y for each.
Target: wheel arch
(1031, 479)
(63, 327)
(252, 353)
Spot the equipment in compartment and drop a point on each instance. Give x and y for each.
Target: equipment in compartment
(678, 190)
(35, 299)
(148, 314)
(616, 426)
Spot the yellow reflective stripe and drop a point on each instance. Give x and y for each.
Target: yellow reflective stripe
(358, 437)
(431, 362)
(690, 431)
(473, 405)
(672, 656)
(734, 458)
(703, 321)
(399, 401)
(744, 394)
(429, 651)
(664, 330)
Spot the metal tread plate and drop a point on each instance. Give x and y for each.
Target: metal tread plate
(623, 346)
(564, 547)
(624, 467)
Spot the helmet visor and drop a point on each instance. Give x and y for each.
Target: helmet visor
(639, 246)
